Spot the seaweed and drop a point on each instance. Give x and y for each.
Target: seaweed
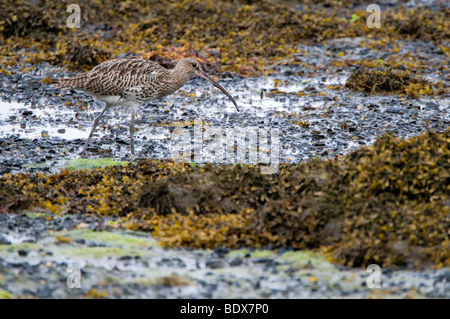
(386, 204)
(244, 37)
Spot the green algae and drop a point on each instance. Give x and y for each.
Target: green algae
(107, 244)
(302, 259)
(4, 294)
(238, 253)
(35, 215)
(80, 163)
(95, 252)
(126, 241)
(249, 253)
(14, 248)
(262, 254)
(86, 163)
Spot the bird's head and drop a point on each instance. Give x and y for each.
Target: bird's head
(192, 68)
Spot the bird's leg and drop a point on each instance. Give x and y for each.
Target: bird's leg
(96, 121)
(133, 111)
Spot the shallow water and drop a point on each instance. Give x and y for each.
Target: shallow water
(29, 122)
(308, 118)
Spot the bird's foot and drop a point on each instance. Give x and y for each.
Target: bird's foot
(83, 154)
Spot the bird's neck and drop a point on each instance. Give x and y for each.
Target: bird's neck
(177, 77)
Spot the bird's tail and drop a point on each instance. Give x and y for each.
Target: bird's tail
(54, 82)
(70, 83)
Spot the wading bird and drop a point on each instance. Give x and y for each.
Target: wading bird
(131, 82)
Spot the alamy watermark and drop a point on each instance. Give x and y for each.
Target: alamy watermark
(74, 278)
(374, 20)
(74, 20)
(249, 145)
(374, 279)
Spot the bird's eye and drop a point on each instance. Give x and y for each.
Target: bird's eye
(195, 65)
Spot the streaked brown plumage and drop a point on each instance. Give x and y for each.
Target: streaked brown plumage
(132, 82)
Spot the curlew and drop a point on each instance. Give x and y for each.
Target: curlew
(131, 82)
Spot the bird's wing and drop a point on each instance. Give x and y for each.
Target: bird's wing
(155, 87)
(115, 77)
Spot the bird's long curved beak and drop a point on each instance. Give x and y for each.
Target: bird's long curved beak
(217, 85)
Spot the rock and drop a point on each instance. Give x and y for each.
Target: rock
(23, 252)
(214, 264)
(3, 240)
(221, 251)
(431, 106)
(236, 262)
